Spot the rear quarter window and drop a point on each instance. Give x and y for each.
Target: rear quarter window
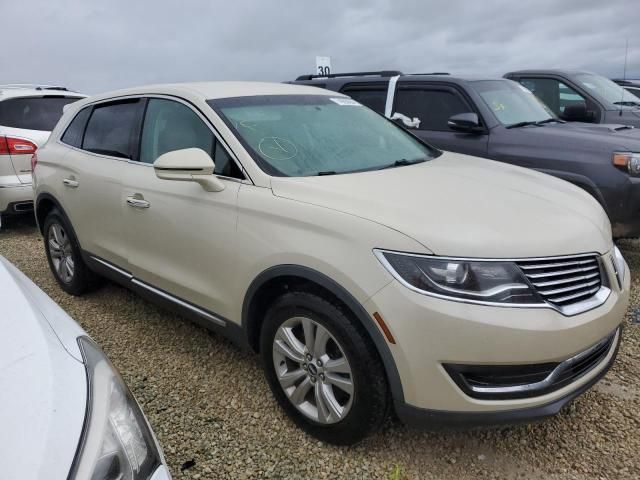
(75, 131)
(33, 113)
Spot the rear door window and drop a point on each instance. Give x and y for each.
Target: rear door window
(373, 97)
(433, 106)
(33, 113)
(112, 128)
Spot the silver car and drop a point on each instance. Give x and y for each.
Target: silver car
(64, 410)
(28, 113)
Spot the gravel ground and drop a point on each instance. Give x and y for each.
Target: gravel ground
(214, 415)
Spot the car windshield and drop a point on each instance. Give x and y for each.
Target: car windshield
(304, 135)
(607, 90)
(511, 103)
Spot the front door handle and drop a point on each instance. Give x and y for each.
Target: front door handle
(137, 202)
(71, 183)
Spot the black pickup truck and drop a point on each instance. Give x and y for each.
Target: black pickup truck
(501, 120)
(581, 96)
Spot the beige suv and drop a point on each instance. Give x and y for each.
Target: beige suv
(369, 270)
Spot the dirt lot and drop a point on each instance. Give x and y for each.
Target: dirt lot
(215, 417)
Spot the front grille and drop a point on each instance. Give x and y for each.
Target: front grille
(564, 281)
(501, 382)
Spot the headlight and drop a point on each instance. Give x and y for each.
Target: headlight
(117, 443)
(619, 265)
(627, 160)
(471, 280)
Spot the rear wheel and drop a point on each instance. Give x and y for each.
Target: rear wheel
(64, 255)
(322, 370)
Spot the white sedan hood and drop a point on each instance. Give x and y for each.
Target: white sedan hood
(43, 386)
(458, 205)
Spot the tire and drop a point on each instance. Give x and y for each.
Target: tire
(354, 415)
(64, 257)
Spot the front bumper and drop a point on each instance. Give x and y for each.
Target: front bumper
(431, 332)
(16, 198)
(435, 419)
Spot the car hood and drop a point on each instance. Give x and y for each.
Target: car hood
(43, 385)
(458, 205)
(603, 135)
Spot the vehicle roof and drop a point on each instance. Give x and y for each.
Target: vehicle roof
(17, 90)
(549, 71)
(415, 77)
(213, 90)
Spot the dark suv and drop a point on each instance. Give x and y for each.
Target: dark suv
(581, 96)
(501, 120)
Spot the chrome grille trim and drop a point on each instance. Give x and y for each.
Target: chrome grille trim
(565, 281)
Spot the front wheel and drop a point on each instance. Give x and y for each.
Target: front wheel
(322, 369)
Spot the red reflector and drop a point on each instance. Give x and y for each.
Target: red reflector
(4, 148)
(34, 161)
(18, 146)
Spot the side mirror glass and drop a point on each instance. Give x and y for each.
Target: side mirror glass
(465, 122)
(188, 165)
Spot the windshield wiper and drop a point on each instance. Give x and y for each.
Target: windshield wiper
(628, 103)
(549, 120)
(327, 172)
(521, 124)
(402, 163)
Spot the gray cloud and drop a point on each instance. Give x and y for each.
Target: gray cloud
(96, 47)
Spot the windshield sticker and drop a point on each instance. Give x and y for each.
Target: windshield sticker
(346, 102)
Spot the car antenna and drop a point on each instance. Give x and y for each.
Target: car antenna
(624, 74)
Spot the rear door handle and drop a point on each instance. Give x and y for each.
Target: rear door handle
(70, 182)
(137, 202)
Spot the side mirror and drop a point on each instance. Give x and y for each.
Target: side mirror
(188, 165)
(577, 112)
(465, 122)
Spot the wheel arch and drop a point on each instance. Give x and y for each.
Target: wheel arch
(43, 205)
(278, 279)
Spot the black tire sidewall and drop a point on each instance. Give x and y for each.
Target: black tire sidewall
(370, 401)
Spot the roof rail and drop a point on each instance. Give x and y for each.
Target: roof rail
(381, 73)
(431, 73)
(35, 86)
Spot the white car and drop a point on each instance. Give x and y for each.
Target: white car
(28, 113)
(65, 412)
(369, 269)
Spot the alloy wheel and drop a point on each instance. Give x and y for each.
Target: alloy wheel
(61, 253)
(313, 370)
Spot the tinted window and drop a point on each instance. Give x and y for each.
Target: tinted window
(553, 93)
(73, 135)
(170, 126)
(432, 107)
(33, 113)
(111, 129)
(374, 98)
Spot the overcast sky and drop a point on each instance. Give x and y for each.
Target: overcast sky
(95, 46)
